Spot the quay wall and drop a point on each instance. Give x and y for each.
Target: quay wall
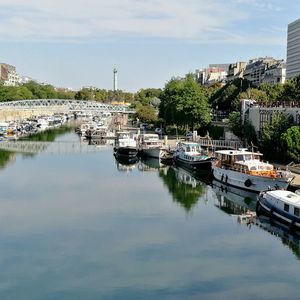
(15, 115)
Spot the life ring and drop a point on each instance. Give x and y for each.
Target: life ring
(248, 183)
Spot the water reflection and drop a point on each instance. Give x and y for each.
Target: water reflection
(150, 164)
(184, 188)
(125, 164)
(281, 231)
(232, 200)
(6, 157)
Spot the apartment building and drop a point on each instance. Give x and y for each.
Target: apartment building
(9, 75)
(236, 70)
(293, 50)
(256, 68)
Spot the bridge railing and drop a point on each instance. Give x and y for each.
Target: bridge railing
(67, 104)
(219, 143)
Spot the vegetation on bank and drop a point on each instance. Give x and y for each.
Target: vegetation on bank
(183, 105)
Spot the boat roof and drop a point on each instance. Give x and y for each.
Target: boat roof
(286, 196)
(237, 152)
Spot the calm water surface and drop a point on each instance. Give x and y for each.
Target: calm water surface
(80, 225)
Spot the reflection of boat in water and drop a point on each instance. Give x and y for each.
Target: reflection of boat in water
(281, 231)
(233, 200)
(183, 186)
(125, 164)
(150, 164)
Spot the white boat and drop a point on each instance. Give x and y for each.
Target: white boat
(190, 155)
(150, 145)
(280, 204)
(125, 145)
(244, 169)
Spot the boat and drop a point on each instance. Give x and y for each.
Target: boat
(191, 156)
(125, 144)
(282, 205)
(244, 169)
(150, 145)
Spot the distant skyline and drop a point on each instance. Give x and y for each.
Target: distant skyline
(78, 43)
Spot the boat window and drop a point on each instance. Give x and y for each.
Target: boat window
(188, 149)
(239, 157)
(253, 168)
(286, 207)
(296, 211)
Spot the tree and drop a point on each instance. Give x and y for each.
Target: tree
(291, 143)
(245, 132)
(271, 133)
(183, 103)
(146, 113)
(255, 94)
(291, 90)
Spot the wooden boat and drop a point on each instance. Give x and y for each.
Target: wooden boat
(244, 169)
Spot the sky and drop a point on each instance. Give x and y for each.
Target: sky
(76, 43)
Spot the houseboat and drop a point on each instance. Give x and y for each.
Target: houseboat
(244, 169)
(191, 156)
(125, 144)
(150, 145)
(282, 205)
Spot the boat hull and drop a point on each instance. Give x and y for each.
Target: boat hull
(247, 181)
(263, 206)
(204, 165)
(125, 151)
(153, 152)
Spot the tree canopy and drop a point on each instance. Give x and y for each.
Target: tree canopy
(184, 103)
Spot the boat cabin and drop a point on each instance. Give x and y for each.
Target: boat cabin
(245, 162)
(284, 200)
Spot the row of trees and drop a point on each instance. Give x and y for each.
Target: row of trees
(34, 90)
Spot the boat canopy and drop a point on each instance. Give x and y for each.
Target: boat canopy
(285, 196)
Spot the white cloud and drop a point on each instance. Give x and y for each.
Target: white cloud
(86, 19)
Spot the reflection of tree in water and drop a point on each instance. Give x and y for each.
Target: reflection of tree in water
(5, 158)
(48, 135)
(186, 193)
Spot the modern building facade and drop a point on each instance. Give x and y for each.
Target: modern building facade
(293, 50)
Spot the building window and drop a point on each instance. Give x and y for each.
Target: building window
(286, 207)
(296, 211)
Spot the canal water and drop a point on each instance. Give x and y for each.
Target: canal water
(77, 224)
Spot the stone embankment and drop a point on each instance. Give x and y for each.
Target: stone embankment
(16, 115)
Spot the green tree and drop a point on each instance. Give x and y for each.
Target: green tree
(255, 94)
(245, 132)
(271, 133)
(146, 113)
(183, 103)
(291, 143)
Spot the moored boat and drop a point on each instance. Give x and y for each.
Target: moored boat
(150, 145)
(191, 156)
(244, 169)
(282, 205)
(125, 145)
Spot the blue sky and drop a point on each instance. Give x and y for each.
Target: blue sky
(78, 43)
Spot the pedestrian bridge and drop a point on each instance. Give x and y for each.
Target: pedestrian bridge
(65, 105)
(31, 147)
